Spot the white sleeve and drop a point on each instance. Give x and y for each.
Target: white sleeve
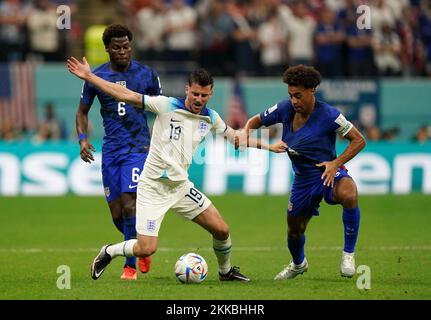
(156, 104)
(219, 126)
(344, 125)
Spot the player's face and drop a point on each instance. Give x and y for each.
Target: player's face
(302, 98)
(120, 51)
(197, 97)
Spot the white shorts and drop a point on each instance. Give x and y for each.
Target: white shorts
(156, 196)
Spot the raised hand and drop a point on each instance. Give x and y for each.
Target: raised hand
(79, 69)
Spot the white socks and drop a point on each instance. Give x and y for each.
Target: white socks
(222, 250)
(122, 249)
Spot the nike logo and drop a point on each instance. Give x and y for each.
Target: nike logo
(174, 120)
(265, 113)
(200, 206)
(132, 187)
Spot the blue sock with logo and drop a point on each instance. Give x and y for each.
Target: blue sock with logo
(351, 218)
(296, 248)
(130, 233)
(119, 224)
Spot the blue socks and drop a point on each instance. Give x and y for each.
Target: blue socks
(296, 248)
(351, 219)
(130, 233)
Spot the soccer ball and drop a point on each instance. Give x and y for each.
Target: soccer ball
(191, 268)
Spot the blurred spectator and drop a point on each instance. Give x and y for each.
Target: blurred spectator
(216, 27)
(360, 52)
(273, 45)
(412, 48)
(13, 20)
(180, 31)
(381, 14)
(43, 33)
(372, 133)
(301, 28)
(329, 38)
(244, 35)
(8, 132)
(387, 51)
(150, 31)
(50, 128)
(390, 134)
(425, 27)
(423, 134)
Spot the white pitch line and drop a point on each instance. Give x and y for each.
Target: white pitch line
(255, 249)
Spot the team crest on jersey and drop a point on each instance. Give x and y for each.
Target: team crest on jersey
(107, 192)
(151, 225)
(203, 128)
(121, 83)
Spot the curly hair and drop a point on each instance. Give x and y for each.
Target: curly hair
(201, 77)
(302, 76)
(116, 31)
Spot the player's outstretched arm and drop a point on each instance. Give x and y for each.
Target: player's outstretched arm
(118, 92)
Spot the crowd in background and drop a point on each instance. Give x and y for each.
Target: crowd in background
(240, 37)
(234, 37)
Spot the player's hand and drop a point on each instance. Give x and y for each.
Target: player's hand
(86, 154)
(278, 147)
(328, 175)
(240, 139)
(81, 70)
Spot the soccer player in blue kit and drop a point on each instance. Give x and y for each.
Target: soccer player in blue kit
(127, 138)
(309, 135)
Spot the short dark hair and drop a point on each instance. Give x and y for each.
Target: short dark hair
(201, 77)
(302, 76)
(116, 31)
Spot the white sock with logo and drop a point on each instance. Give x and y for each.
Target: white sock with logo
(222, 250)
(124, 249)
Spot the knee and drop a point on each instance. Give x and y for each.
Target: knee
(294, 235)
(221, 232)
(349, 200)
(129, 210)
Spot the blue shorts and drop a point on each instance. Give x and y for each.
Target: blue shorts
(120, 173)
(308, 192)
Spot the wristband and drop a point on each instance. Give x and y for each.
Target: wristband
(82, 136)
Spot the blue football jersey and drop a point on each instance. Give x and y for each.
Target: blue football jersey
(315, 141)
(126, 128)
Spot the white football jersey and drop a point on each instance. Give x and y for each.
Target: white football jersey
(177, 133)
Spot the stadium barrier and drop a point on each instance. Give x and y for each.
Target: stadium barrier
(55, 169)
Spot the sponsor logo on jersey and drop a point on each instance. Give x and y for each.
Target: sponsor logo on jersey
(290, 206)
(270, 110)
(107, 192)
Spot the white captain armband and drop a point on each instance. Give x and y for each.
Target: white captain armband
(344, 125)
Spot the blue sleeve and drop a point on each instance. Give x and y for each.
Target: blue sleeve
(275, 114)
(332, 114)
(88, 94)
(156, 87)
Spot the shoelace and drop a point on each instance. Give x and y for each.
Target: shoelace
(348, 259)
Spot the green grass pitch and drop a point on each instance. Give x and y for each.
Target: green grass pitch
(40, 234)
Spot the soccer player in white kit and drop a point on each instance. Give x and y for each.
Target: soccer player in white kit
(180, 125)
